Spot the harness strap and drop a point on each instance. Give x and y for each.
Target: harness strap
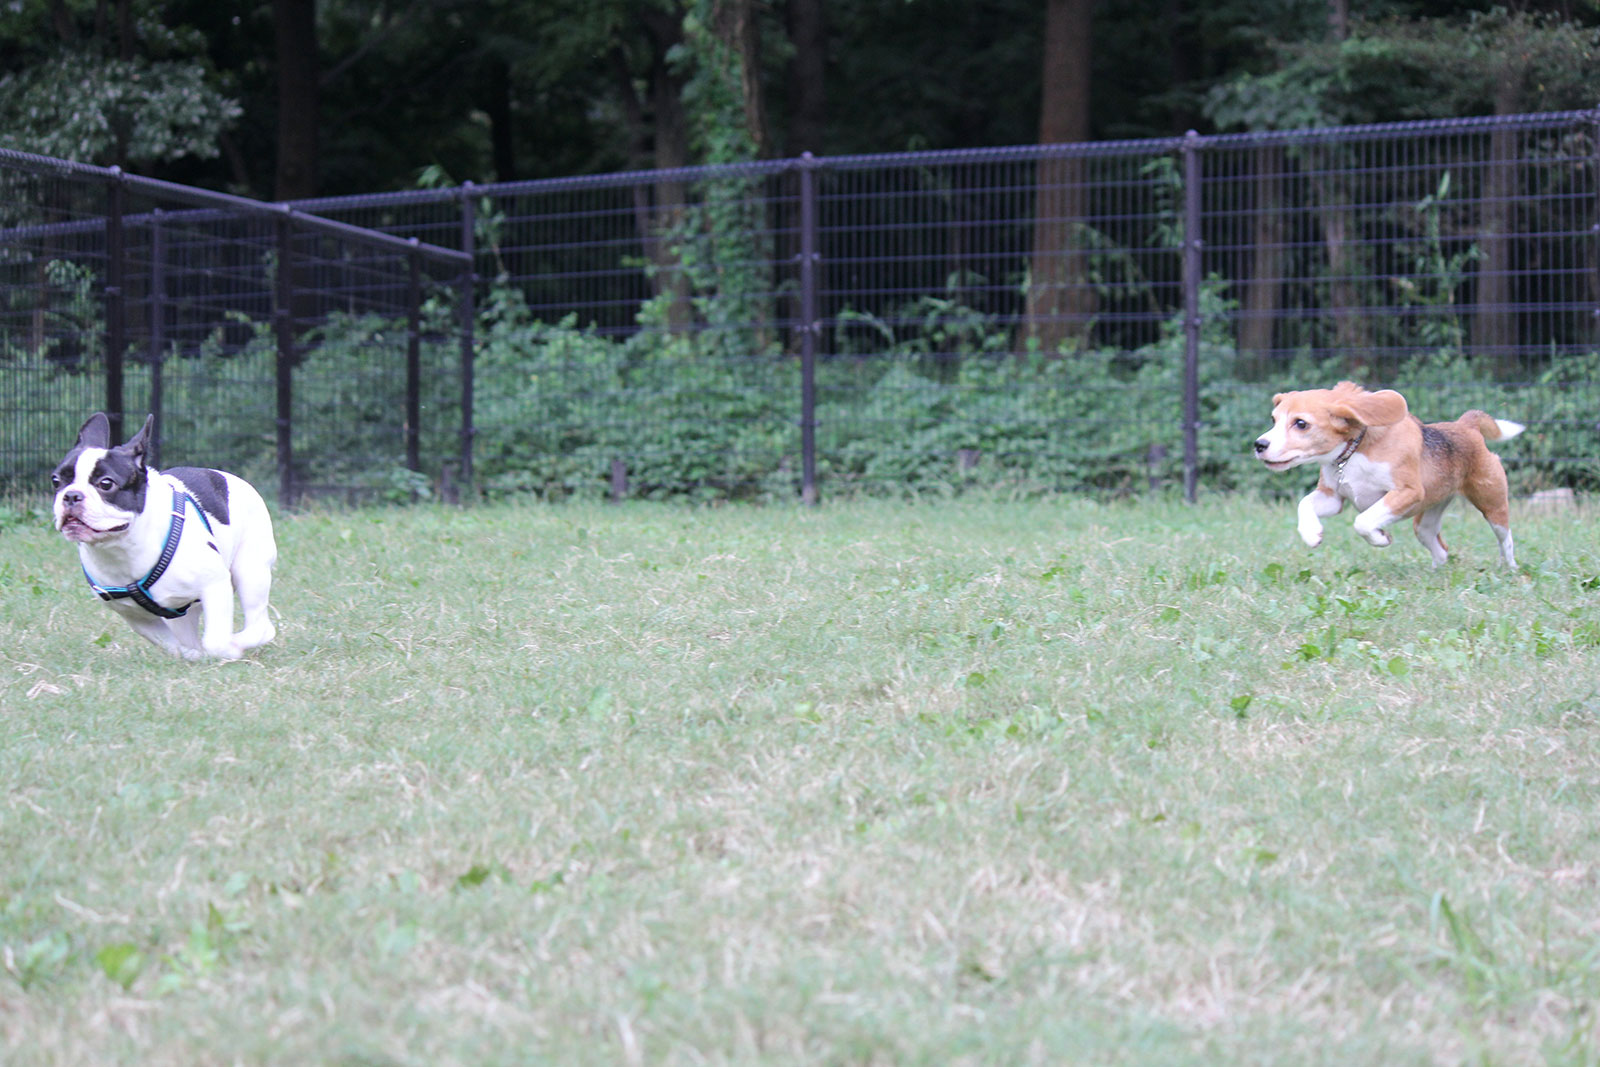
(139, 592)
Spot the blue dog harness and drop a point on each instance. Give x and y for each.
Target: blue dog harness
(139, 592)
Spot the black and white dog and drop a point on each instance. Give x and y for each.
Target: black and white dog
(153, 543)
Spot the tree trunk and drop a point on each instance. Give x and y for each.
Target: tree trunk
(295, 32)
(672, 198)
(61, 18)
(807, 97)
(1263, 290)
(1184, 63)
(497, 105)
(1343, 302)
(807, 132)
(1339, 19)
(661, 139)
(737, 27)
(1061, 304)
(1494, 324)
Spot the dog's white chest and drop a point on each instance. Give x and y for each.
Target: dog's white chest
(1363, 482)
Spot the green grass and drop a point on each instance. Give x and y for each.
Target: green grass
(964, 782)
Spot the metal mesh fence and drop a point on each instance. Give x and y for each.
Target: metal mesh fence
(307, 356)
(1452, 260)
(1107, 316)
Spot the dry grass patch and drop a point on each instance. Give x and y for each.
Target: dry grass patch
(975, 782)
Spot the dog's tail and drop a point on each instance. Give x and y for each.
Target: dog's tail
(1493, 429)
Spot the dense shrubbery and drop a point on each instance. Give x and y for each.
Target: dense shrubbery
(693, 415)
(715, 413)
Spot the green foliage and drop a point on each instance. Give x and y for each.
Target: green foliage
(1438, 274)
(935, 399)
(122, 962)
(713, 92)
(556, 405)
(86, 107)
(1498, 61)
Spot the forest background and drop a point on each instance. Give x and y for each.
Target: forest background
(293, 99)
(297, 98)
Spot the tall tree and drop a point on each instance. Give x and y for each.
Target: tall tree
(1061, 303)
(502, 126)
(1335, 213)
(651, 90)
(1526, 61)
(1487, 63)
(737, 27)
(295, 38)
(807, 78)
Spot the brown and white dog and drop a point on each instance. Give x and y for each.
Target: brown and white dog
(1376, 454)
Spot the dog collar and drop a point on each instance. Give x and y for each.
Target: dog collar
(139, 592)
(1349, 450)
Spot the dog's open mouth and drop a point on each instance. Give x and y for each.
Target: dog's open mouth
(75, 529)
(1278, 464)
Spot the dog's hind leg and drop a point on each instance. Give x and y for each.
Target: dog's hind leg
(258, 628)
(1508, 551)
(1427, 525)
(1488, 493)
(216, 624)
(252, 583)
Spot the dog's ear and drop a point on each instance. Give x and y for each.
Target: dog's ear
(138, 446)
(95, 432)
(1383, 408)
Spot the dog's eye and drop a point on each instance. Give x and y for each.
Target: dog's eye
(55, 481)
(1301, 424)
(105, 485)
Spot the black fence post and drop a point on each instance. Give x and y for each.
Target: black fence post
(810, 327)
(469, 277)
(1191, 314)
(158, 331)
(413, 416)
(283, 325)
(115, 295)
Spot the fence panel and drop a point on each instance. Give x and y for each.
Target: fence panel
(52, 271)
(263, 341)
(999, 316)
(1111, 317)
(1453, 260)
(637, 330)
(1106, 316)
(659, 320)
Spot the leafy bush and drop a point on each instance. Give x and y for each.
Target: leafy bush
(940, 401)
(556, 405)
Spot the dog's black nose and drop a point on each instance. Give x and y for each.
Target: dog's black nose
(71, 498)
(1261, 445)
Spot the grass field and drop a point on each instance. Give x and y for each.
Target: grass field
(963, 782)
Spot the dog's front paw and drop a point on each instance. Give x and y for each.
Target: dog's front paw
(1376, 538)
(1311, 536)
(226, 651)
